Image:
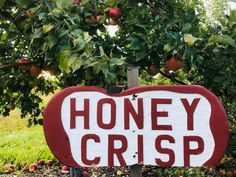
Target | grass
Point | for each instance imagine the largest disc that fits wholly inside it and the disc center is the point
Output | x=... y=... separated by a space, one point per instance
x=21 y=145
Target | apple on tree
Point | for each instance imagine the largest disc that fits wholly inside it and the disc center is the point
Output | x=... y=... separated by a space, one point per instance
x=35 y=70
x=114 y=12
x=152 y=70
x=173 y=64
x=77 y=2
x=25 y=67
x=91 y=20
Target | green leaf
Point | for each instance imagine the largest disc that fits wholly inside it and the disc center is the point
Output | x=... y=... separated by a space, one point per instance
x=56 y=12
x=47 y=28
x=38 y=33
x=63 y=61
x=52 y=40
x=117 y=61
x=168 y=48
x=140 y=55
x=110 y=2
x=77 y=64
x=189 y=39
x=64 y=3
x=221 y=39
x=135 y=43
x=24 y=3
x=42 y=15
x=186 y=27
x=109 y=77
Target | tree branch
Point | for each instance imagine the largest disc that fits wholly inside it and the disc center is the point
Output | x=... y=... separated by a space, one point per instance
x=172 y=78
x=11 y=65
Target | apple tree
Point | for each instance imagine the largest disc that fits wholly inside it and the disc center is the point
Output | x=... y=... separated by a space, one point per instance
x=46 y=45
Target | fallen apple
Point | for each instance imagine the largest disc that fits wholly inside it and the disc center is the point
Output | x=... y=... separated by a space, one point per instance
x=65 y=168
x=49 y=162
x=144 y=169
x=40 y=162
x=33 y=167
x=86 y=174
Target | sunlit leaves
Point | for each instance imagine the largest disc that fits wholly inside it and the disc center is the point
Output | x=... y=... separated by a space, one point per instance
x=189 y=39
x=222 y=39
x=47 y=28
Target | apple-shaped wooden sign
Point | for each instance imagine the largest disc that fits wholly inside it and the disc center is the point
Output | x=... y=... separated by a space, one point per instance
x=151 y=125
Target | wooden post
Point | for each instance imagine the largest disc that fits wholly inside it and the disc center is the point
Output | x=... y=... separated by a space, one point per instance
x=76 y=172
x=133 y=77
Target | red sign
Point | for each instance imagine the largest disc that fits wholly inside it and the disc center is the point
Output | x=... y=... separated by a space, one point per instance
x=151 y=125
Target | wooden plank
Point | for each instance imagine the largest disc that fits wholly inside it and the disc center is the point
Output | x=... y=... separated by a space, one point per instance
x=76 y=172
x=133 y=81
x=133 y=76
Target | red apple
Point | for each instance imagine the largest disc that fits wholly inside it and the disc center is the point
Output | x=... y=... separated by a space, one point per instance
x=144 y=169
x=174 y=64
x=114 y=12
x=86 y=174
x=65 y=168
x=40 y=162
x=77 y=2
x=49 y=162
x=35 y=70
x=152 y=70
x=25 y=67
x=91 y=20
x=166 y=69
x=33 y=167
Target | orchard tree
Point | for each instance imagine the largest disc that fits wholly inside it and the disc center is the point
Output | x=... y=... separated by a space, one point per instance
x=70 y=40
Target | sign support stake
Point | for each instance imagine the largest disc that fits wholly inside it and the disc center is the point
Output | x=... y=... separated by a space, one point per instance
x=132 y=78
x=76 y=172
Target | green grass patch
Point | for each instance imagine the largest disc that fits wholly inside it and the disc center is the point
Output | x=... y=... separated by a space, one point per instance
x=21 y=145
